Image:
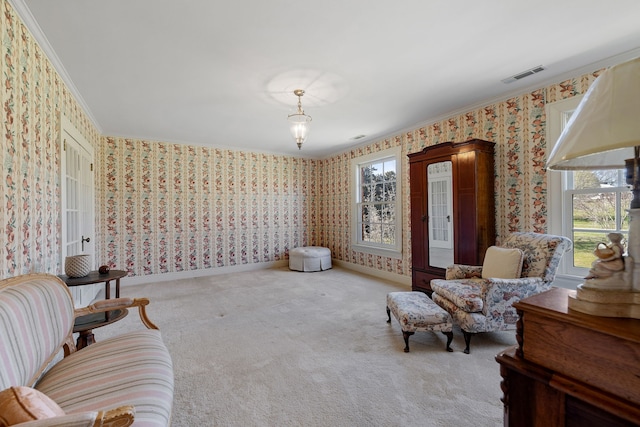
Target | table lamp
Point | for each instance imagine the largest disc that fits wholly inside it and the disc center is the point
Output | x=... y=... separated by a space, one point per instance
x=604 y=133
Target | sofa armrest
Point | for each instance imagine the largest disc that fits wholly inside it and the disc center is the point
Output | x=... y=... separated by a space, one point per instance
x=118 y=303
x=460 y=271
x=118 y=417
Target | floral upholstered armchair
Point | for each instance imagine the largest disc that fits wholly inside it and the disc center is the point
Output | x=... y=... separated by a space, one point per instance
x=480 y=298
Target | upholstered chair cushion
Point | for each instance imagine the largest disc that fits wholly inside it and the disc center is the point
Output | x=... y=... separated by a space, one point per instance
x=21 y=404
x=466 y=294
x=502 y=263
x=128 y=369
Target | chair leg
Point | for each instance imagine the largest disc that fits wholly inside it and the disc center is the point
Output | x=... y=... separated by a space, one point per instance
x=467 y=340
x=388 y=315
x=406 y=336
x=449 y=339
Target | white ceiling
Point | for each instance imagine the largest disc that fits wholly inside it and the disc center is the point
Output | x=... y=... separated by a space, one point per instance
x=222 y=73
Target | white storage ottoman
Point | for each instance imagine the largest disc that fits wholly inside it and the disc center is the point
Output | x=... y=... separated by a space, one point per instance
x=310 y=258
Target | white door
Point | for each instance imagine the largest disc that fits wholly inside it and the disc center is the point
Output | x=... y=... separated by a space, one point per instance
x=78 y=235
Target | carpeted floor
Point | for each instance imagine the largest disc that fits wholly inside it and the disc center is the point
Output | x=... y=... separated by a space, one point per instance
x=282 y=348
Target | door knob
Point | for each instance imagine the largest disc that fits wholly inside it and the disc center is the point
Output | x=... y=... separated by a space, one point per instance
x=88 y=239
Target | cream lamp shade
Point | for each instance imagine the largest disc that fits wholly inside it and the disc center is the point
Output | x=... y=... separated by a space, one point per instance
x=605 y=128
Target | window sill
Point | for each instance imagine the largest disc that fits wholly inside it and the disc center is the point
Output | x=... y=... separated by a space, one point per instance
x=390 y=253
x=567 y=281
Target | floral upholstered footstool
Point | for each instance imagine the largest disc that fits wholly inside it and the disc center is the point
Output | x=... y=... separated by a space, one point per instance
x=417 y=313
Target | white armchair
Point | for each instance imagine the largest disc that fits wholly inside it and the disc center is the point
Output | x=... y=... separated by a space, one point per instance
x=479 y=302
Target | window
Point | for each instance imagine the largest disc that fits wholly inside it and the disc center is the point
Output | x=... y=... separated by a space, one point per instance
x=377 y=203
x=597 y=202
x=584 y=206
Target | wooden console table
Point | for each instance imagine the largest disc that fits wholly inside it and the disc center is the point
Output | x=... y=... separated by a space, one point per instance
x=85 y=325
x=569 y=368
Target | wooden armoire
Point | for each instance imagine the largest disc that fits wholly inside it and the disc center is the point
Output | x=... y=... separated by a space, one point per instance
x=452 y=207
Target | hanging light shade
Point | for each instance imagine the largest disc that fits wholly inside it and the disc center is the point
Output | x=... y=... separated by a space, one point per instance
x=299 y=121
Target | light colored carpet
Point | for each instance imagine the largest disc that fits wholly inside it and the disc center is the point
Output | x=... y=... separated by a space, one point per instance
x=282 y=348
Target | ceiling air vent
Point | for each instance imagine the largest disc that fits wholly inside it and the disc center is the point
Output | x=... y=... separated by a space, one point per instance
x=523 y=74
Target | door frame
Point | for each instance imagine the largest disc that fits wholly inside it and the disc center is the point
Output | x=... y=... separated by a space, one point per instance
x=82 y=295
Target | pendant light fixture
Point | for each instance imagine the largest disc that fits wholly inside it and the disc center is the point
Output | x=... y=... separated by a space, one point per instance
x=299 y=121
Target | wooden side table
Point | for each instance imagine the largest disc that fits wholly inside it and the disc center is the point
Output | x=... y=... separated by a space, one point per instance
x=96 y=277
x=84 y=325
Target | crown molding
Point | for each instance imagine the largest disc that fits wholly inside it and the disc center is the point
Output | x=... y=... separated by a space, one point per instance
x=32 y=25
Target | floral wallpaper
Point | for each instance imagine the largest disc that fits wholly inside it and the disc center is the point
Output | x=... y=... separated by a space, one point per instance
x=32 y=98
x=169 y=207
x=173 y=207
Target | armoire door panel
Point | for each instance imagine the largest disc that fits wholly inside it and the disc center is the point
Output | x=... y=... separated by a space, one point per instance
x=418 y=248
x=418 y=208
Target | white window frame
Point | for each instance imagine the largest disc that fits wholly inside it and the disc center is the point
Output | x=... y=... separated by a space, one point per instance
x=357 y=244
x=557 y=116
x=559 y=195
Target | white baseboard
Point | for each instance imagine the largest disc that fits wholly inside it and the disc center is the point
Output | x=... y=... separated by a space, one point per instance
x=398 y=278
x=163 y=277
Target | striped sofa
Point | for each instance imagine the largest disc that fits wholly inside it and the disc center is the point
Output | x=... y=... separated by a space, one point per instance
x=121 y=381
